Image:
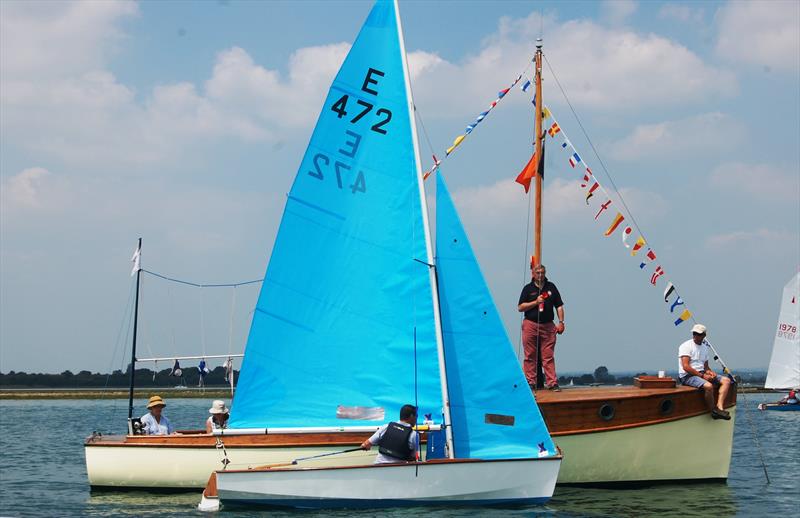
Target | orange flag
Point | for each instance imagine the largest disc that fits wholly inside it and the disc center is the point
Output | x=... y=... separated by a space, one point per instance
x=614 y=224
x=531 y=169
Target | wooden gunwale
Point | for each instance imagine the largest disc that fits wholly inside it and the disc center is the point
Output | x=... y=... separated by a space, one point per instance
x=235 y=441
x=576 y=411
x=432 y=462
x=570 y=412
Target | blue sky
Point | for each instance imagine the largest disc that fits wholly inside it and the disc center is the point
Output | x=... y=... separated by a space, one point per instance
x=184 y=123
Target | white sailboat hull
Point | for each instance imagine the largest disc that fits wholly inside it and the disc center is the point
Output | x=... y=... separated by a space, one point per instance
x=472 y=482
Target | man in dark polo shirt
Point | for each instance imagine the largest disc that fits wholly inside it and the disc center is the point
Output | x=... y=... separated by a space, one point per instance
x=538 y=301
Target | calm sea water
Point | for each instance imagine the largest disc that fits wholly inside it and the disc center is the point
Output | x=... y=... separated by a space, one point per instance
x=43 y=471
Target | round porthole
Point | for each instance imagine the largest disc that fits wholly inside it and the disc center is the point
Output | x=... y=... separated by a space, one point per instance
x=666 y=406
x=606 y=412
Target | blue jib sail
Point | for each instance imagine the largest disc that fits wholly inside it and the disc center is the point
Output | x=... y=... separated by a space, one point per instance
x=343 y=331
x=493 y=412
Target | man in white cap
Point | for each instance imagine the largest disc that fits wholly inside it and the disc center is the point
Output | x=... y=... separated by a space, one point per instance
x=218 y=420
x=693 y=370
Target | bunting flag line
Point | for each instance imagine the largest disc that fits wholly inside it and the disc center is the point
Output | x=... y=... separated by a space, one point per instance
x=481 y=116
x=668 y=291
x=591 y=184
x=603 y=207
x=526 y=85
x=686 y=315
x=625 y=234
x=614 y=224
x=658 y=273
x=650 y=255
x=640 y=242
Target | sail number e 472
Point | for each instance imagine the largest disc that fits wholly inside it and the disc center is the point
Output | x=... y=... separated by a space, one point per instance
x=382 y=114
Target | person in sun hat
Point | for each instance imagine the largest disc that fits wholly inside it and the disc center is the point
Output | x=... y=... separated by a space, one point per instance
x=693 y=371
x=218 y=420
x=154 y=422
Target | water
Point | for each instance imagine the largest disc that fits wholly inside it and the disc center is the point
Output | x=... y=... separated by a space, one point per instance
x=43 y=471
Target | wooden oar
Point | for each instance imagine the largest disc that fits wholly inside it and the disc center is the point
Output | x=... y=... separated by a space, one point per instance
x=295 y=461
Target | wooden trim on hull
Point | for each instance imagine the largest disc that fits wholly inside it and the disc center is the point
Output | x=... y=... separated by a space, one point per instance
x=602 y=409
x=196 y=439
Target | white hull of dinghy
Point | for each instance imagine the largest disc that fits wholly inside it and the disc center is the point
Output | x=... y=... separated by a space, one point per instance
x=440 y=482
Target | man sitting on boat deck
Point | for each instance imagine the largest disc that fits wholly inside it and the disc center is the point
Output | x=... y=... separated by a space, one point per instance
x=693 y=371
x=538 y=300
x=153 y=423
x=397 y=441
x=218 y=420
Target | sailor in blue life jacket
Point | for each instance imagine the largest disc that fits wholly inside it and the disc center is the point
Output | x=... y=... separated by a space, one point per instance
x=397 y=441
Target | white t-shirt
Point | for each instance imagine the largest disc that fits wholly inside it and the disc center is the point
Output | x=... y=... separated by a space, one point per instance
x=698 y=356
x=214 y=425
x=378 y=435
x=151 y=427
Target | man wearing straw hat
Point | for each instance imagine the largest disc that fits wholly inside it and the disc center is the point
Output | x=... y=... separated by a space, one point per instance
x=218 y=420
x=154 y=423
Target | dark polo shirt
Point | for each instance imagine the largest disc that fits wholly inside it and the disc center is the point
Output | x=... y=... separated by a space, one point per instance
x=530 y=292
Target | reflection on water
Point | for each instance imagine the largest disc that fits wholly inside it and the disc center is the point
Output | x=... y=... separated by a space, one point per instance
x=43 y=471
x=662 y=500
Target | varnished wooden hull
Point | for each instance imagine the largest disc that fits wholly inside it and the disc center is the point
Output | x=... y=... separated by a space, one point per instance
x=637 y=444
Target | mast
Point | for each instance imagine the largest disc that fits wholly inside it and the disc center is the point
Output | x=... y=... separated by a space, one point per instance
x=135 y=325
x=537 y=227
x=428 y=247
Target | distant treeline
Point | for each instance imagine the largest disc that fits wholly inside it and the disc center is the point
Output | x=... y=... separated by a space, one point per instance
x=118 y=378
x=191 y=376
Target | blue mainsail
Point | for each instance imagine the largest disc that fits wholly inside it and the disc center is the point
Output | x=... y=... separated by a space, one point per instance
x=493 y=412
x=343 y=331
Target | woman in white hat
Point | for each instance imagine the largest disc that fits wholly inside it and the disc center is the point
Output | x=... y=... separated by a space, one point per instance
x=218 y=419
x=154 y=423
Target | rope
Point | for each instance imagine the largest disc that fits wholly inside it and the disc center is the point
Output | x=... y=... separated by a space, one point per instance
x=199 y=285
x=754 y=434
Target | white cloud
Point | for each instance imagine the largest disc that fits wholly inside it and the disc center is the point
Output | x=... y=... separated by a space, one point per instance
x=765 y=34
x=699 y=134
x=600 y=67
x=44 y=39
x=681 y=12
x=618 y=11
x=488 y=207
x=746 y=239
x=24 y=189
x=767 y=182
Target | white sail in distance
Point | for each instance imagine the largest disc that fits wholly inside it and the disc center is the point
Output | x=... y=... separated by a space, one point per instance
x=784 y=366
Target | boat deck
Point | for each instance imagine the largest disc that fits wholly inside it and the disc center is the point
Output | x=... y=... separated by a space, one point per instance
x=569 y=394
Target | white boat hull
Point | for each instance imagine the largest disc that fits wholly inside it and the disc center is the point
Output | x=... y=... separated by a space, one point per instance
x=472 y=482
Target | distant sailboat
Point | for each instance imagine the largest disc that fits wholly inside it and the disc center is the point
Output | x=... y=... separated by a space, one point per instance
x=784 y=366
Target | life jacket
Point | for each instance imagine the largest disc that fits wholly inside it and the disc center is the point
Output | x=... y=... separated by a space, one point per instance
x=394 y=442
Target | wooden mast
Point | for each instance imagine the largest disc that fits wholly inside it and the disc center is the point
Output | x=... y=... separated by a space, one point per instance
x=537 y=227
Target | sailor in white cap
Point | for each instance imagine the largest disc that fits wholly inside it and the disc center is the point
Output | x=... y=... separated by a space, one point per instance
x=218 y=419
x=693 y=370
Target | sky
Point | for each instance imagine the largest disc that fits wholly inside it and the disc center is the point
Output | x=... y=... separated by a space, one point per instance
x=184 y=123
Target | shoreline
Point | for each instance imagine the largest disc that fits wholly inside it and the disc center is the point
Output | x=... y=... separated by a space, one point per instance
x=173 y=393
x=113 y=393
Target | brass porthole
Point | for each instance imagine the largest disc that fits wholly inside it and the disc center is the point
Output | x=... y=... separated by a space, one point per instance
x=606 y=412
x=666 y=406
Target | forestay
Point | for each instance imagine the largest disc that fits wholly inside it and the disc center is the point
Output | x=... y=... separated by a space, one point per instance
x=784 y=366
x=332 y=341
x=493 y=411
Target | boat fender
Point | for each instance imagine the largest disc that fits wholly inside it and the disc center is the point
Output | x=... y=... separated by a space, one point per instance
x=394 y=442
